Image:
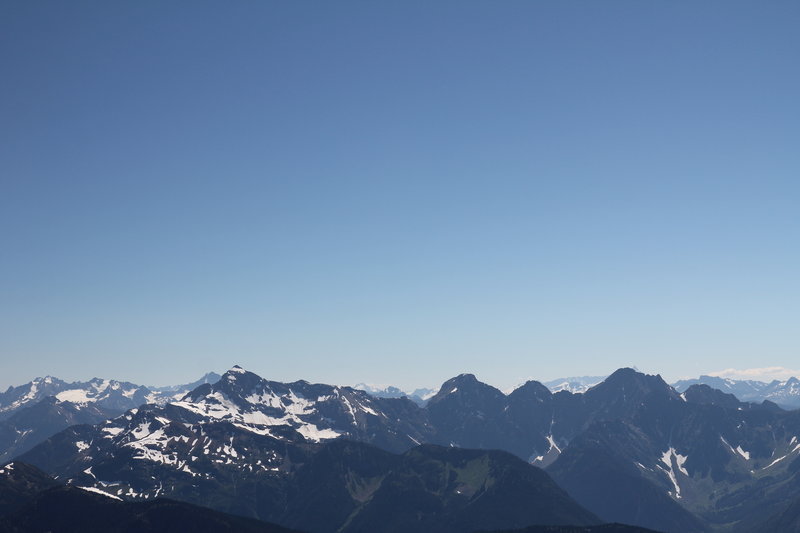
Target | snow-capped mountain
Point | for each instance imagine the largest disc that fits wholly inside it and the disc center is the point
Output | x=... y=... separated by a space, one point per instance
x=104 y=393
x=784 y=393
x=18 y=397
x=575 y=385
x=720 y=460
x=37 y=410
x=419 y=396
x=314 y=411
x=242 y=425
x=245 y=407
x=690 y=460
x=177 y=391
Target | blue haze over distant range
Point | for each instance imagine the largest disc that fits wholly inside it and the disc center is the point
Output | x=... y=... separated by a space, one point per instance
x=398 y=192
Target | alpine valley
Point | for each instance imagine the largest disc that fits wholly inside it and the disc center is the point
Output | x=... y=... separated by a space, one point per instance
x=319 y=458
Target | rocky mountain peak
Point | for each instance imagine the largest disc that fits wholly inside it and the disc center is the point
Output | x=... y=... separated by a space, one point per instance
x=703 y=394
x=531 y=390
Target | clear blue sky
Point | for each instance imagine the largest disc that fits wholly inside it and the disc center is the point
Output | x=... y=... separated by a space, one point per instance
x=398 y=192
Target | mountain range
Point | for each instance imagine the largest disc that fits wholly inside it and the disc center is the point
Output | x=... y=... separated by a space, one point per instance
x=784 y=393
x=418 y=396
x=33 y=412
x=575 y=384
x=631 y=449
x=104 y=393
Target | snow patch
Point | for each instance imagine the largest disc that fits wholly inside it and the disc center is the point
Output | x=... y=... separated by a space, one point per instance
x=736 y=451
x=553 y=444
x=315 y=434
x=743 y=453
x=779 y=459
x=667 y=459
x=74 y=396
x=292 y=406
x=553 y=451
x=112 y=432
x=101 y=492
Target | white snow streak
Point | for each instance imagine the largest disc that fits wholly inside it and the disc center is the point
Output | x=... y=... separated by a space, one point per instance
x=101 y=492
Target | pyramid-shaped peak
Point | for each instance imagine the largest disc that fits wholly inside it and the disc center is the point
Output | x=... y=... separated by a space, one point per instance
x=532 y=387
x=631 y=374
x=466 y=385
x=239 y=376
x=461 y=380
x=631 y=379
x=235 y=384
x=236 y=371
x=627 y=371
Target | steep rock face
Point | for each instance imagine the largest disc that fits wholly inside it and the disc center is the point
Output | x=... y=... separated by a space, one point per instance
x=531 y=410
x=617 y=485
x=624 y=391
x=534 y=423
x=469 y=413
x=531 y=422
x=719 y=463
